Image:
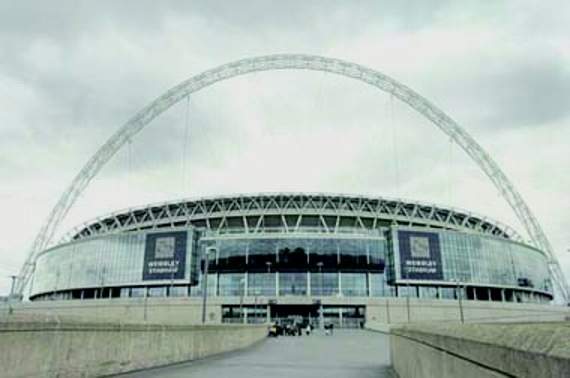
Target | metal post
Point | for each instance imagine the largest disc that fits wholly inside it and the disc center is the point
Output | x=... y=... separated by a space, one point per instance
x=12 y=287
x=205 y=281
x=255 y=308
x=171 y=283
x=387 y=310
x=407 y=294
x=268 y=315
x=321 y=311
x=145 y=317
x=102 y=281
x=460 y=302
x=408 y=299
x=241 y=294
x=11 y=297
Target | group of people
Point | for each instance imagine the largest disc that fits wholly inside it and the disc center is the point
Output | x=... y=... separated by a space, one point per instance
x=296 y=329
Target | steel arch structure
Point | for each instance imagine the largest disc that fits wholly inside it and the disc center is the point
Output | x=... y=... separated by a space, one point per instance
x=293 y=62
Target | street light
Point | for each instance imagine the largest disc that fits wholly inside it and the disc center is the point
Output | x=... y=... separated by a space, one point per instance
x=460 y=298
x=268 y=317
x=321 y=314
x=407 y=293
x=241 y=294
x=209 y=251
x=11 y=297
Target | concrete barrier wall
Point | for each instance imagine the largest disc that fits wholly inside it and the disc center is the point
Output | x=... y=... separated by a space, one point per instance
x=378 y=310
x=395 y=311
x=172 y=311
x=51 y=349
x=481 y=350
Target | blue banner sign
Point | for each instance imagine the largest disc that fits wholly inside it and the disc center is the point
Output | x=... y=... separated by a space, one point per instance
x=165 y=256
x=420 y=255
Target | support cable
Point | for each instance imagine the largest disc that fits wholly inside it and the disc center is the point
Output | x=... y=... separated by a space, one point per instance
x=185 y=146
x=395 y=146
x=130 y=168
x=450 y=172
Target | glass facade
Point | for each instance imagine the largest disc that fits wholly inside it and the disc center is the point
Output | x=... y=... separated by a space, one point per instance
x=475 y=259
x=114 y=260
x=298 y=264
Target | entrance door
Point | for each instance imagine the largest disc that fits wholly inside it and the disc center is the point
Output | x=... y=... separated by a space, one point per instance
x=295 y=313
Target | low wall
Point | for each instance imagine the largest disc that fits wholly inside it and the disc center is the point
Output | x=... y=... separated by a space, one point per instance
x=179 y=311
x=481 y=350
x=51 y=349
x=396 y=311
x=169 y=311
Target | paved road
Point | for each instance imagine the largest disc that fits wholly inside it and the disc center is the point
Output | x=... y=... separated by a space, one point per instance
x=346 y=354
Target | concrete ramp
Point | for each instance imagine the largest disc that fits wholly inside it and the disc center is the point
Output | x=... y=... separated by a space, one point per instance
x=347 y=354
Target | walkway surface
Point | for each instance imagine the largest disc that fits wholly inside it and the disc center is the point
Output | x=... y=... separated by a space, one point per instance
x=346 y=354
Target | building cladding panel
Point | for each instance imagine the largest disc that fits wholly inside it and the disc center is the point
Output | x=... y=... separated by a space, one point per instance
x=293 y=245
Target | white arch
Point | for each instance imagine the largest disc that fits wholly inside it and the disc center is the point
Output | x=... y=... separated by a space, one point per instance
x=302 y=62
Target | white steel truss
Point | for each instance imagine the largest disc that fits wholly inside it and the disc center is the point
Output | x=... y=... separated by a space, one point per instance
x=290 y=212
x=296 y=62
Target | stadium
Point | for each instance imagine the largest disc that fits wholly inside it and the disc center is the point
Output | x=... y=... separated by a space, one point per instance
x=332 y=258
x=287 y=246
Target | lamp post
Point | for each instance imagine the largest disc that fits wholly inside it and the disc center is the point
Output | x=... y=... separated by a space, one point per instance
x=12 y=287
x=11 y=297
x=268 y=317
x=460 y=299
x=209 y=251
x=407 y=294
x=241 y=294
x=321 y=314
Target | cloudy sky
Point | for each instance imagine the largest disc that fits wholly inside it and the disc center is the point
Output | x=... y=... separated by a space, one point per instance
x=72 y=72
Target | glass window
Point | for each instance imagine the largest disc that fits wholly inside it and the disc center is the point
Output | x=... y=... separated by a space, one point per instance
x=212 y=285
x=261 y=284
x=178 y=291
x=157 y=291
x=354 y=284
x=323 y=254
x=292 y=283
x=428 y=292
x=232 y=284
x=378 y=285
x=353 y=254
x=324 y=283
x=447 y=292
x=292 y=255
x=377 y=255
x=407 y=291
x=138 y=292
x=260 y=252
x=231 y=255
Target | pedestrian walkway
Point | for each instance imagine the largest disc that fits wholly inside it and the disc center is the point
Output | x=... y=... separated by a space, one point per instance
x=348 y=354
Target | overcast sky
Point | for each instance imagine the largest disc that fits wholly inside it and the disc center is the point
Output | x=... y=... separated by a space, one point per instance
x=72 y=72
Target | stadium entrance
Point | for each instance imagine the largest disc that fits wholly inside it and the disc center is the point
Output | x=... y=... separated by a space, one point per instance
x=340 y=316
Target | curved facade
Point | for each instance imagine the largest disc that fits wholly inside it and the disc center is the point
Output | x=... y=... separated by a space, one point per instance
x=292 y=246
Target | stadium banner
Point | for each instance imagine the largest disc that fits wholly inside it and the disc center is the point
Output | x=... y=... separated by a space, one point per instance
x=419 y=255
x=165 y=256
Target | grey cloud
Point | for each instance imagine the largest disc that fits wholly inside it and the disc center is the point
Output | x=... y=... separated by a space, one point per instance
x=526 y=93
